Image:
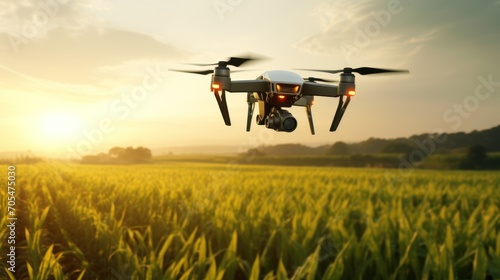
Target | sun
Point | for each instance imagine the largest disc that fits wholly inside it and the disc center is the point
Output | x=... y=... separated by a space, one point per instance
x=60 y=127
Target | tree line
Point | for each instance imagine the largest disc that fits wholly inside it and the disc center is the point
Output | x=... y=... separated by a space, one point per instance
x=462 y=150
x=119 y=155
x=447 y=143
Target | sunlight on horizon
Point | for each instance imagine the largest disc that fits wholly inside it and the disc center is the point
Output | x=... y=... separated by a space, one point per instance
x=59 y=128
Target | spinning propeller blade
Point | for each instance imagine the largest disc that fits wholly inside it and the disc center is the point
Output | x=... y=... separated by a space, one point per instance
x=360 y=70
x=314 y=79
x=232 y=61
x=202 y=72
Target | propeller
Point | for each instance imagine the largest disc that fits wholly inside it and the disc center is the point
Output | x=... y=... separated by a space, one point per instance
x=232 y=61
x=314 y=79
x=360 y=70
x=347 y=85
x=203 y=72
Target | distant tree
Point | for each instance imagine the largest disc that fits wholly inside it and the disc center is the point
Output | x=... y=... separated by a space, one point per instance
x=370 y=146
x=116 y=152
x=143 y=154
x=139 y=154
x=398 y=148
x=121 y=155
x=339 y=148
x=254 y=152
x=128 y=154
x=475 y=158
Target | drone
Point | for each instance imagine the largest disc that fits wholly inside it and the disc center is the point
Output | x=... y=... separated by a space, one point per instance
x=277 y=89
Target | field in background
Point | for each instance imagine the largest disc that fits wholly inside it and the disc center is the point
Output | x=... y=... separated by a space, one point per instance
x=231 y=221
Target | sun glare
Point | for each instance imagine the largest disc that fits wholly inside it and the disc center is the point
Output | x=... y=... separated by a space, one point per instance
x=60 y=127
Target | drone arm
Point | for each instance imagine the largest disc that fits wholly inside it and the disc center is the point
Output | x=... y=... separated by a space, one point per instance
x=249 y=86
x=315 y=89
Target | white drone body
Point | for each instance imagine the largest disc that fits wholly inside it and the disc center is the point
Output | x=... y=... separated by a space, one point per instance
x=283 y=86
x=284 y=82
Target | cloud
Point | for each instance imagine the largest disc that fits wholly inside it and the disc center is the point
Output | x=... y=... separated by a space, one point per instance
x=78 y=93
x=362 y=30
x=58 y=46
x=36 y=18
x=88 y=58
x=423 y=37
x=366 y=30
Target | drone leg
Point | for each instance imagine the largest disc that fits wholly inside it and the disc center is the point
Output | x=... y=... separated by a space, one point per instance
x=310 y=118
x=221 y=100
x=251 y=107
x=340 y=112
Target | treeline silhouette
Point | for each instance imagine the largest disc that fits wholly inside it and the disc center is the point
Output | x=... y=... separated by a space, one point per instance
x=119 y=155
x=447 y=143
x=456 y=150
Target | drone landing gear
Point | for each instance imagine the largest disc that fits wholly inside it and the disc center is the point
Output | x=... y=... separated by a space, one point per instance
x=251 y=106
x=221 y=101
x=340 y=112
x=310 y=118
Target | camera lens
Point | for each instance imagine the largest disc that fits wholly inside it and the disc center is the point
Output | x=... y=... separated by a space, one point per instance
x=289 y=124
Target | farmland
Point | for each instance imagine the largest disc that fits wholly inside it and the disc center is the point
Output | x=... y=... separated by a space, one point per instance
x=182 y=220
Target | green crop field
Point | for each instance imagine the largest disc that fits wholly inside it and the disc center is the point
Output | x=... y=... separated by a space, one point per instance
x=218 y=221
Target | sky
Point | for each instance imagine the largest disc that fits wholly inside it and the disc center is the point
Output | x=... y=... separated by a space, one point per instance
x=81 y=76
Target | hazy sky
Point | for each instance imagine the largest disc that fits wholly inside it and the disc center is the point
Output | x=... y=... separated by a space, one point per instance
x=83 y=76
